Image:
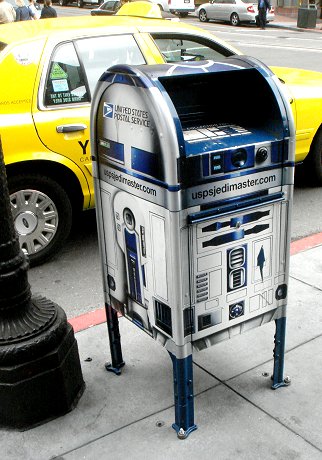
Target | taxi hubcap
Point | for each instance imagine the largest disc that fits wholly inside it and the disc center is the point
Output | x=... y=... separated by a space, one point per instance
x=35 y=218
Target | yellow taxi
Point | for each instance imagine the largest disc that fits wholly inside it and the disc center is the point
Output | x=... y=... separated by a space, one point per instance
x=49 y=70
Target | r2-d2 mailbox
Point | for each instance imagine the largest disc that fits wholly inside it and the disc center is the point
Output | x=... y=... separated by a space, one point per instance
x=194 y=181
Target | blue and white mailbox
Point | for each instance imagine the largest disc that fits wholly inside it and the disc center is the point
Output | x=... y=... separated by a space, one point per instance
x=193 y=193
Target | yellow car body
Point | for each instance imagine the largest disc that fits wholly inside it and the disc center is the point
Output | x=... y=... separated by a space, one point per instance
x=46 y=144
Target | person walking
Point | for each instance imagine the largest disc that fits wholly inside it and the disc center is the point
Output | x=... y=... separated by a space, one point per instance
x=48 y=11
x=263 y=6
x=22 y=12
x=7 y=12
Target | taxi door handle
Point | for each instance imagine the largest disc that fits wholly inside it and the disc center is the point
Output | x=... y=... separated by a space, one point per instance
x=70 y=128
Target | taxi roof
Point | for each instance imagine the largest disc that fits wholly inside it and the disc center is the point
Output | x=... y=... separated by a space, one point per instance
x=70 y=27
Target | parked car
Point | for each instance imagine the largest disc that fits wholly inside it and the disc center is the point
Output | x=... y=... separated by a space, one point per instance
x=233 y=11
x=181 y=7
x=80 y=3
x=45 y=121
x=107 y=8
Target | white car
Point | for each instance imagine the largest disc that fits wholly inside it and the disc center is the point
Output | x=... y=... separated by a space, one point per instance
x=233 y=11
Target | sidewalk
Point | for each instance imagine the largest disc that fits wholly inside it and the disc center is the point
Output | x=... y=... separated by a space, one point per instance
x=238 y=415
x=286 y=22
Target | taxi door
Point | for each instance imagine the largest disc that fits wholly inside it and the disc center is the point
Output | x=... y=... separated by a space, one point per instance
x=62 y=111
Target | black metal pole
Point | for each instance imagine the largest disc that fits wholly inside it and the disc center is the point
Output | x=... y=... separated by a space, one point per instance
x=115 y=341
x=40 y=373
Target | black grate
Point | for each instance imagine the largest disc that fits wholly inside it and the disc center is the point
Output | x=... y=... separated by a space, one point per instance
x=163 y=317
x=188 y=321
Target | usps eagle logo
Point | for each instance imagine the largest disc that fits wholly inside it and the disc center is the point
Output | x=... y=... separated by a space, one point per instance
x=108 y=110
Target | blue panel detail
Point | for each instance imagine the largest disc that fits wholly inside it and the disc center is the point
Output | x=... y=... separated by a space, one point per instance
x=227 y=142
x=216 y=163
x=248 y=162
x=145 y=162
x=133 y=266
x=126 y=75
x=205 y=165
x=279 y=151
x=113 y=150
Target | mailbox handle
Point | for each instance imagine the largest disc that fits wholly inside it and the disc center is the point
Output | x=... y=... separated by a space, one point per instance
x=224 y=210
x=70 y=128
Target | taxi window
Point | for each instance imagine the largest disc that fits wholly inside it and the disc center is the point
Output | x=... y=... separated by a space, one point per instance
x=100 y=53
x=65 y=83
x=179 y=48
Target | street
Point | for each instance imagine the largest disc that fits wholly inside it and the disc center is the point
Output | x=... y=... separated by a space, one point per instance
x=278 y=47
x=76 y=270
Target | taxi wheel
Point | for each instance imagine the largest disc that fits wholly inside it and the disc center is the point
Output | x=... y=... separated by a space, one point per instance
x=234 y=19
x=203 y=16
x=313 y=163
x=42 y=215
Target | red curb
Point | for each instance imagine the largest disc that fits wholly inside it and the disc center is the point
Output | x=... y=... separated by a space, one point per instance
x=306 y=243
x=93 y=318
x=87 y=320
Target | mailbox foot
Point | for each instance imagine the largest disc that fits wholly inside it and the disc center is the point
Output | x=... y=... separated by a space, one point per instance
x=115 y=370
x=279 y=350
x=183 y=396
x=115 y=341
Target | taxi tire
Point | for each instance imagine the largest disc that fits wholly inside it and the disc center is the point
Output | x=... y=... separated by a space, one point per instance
x=60 y=198
x=312 y=168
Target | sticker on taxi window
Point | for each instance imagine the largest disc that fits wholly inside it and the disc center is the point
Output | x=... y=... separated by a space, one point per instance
x=60 y=85
x=57 y=72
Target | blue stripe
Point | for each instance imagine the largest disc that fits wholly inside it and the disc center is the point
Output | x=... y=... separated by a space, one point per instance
x=177 y=188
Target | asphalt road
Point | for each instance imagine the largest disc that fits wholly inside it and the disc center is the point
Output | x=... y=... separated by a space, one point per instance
x=73 y=279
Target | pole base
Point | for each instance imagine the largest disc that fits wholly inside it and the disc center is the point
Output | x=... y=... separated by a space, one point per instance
x=181 y=433
x=39 y=390
x=116 y=370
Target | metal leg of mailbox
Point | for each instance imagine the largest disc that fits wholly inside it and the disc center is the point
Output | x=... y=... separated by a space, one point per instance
x=183 y=396
x=279 y=350
x=115 y=341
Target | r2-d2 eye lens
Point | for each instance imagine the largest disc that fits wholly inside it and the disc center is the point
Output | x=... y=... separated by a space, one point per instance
x=129 y=219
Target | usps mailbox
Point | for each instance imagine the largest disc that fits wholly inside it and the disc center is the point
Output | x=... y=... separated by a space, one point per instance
x=193 y=193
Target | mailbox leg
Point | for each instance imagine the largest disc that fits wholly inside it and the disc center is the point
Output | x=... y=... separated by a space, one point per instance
x=115 y=341
x=279 y=350
x=183 y=396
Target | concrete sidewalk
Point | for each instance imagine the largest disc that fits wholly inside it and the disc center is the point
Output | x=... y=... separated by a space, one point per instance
x=287 y=22
x=237 y=413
